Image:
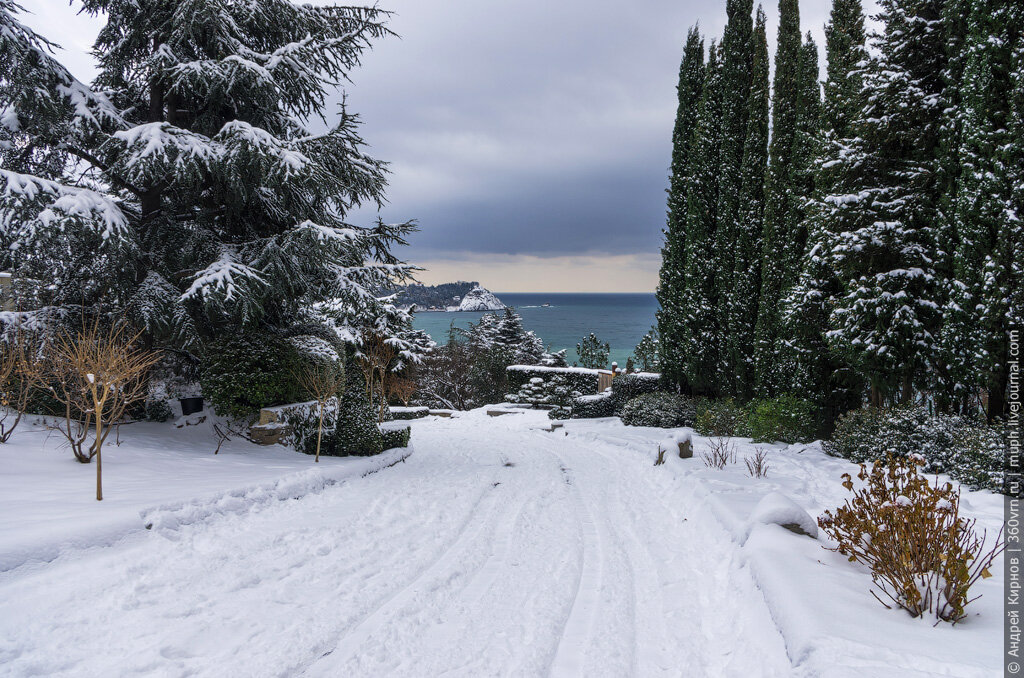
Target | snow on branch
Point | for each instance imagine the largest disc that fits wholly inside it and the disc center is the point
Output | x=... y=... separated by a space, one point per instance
x=225 y=277
x=55 y=201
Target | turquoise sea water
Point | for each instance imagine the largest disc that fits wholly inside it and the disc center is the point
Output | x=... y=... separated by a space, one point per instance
x=619 y=319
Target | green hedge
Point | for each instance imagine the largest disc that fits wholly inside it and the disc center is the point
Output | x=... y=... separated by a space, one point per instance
x=661 y=409
x=244 y=374
x=785 y=418
x=593 y=406
x=626 y=387
x=397 y=437
x=971 y=452
x=573 y=378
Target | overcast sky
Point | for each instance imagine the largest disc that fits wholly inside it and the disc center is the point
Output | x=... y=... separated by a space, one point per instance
x=529 y=138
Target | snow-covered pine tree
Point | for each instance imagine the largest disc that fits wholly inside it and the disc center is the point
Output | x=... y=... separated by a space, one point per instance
x=746 y=263
x=779 y=227
x=885 y=317
x=58 y=224
x=233 y=200
x=813 y=370
x=737 y=59
x=701 y=344
x=975 y=335
x=673 y=252
x=1013 y=155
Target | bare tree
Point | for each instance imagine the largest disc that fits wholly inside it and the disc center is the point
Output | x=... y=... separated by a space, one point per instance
x=323 y=381
x=21 y=372
x=375 y=358
x=99 y=372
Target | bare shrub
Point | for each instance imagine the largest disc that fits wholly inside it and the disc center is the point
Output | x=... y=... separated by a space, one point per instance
x=721 y=453
x=923 y=556
x=757 y=466
x=323 y=381
x=99 y=373
x=21 y=372
x=375 y=356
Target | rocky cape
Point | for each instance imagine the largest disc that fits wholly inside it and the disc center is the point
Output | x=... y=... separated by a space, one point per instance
x=450 y=297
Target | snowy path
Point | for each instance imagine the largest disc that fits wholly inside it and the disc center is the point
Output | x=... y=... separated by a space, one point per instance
x=494 y=550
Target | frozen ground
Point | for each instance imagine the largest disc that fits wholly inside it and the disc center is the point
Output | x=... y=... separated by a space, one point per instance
x=495 y=549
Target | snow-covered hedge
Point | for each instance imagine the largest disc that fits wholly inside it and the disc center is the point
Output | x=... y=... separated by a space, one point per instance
x=625 y=387
x=405 y=413
x=574 y=378
x=593 y=406
x=664 y=410
x=971 y=453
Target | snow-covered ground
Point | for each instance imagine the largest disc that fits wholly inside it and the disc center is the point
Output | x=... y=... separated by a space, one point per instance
x=497 y=548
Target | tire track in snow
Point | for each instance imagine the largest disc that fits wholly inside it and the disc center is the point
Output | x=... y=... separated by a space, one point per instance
x=579 y=624
x=349 y=643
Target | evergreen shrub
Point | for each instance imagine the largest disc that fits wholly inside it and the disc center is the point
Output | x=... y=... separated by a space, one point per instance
x=243 y=374
x=576 y=378
x=593 y=406
x=555 y=391
x=357 y=432
x=720 y=417
x=661 y=409
x=396 y=437
x=784 y=418
x=626 y=387
x=970 y=452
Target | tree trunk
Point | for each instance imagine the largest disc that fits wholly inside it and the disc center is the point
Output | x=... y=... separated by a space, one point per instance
x=99 y=461
x=319 y=433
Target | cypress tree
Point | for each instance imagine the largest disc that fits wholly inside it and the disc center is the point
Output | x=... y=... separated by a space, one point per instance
x=975 y=337
x=700 y=294
x=780 y=196
x=886 y=316
x=813 y=370
x=736 y=75
x=746 y=250
x=673 y=253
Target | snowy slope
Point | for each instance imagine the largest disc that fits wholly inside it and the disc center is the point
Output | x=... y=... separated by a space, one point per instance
x=497 y=548
x=48 y=503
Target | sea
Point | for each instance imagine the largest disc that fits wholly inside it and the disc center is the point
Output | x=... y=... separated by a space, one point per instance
x=563 y=319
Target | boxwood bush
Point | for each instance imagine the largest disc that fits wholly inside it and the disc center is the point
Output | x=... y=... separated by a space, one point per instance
x=785 y=418
x=626 y=387
x=573 y=378
x=243 y=374
x=970 y=452
x=593 y=406
x=396 y=437
x=661 y=409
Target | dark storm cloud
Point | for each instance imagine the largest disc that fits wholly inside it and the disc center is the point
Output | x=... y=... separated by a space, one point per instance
x=531 y=127
x=526 y=127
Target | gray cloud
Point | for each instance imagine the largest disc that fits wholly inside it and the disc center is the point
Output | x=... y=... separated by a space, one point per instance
x=527 y=127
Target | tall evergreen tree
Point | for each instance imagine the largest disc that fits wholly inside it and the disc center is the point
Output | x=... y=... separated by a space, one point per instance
x=700 y=293
x=886 y=316
x=746 y=245
x=229 y=210
x=736 y=77
x=673 y=252
x=975 y=337
x=780 y=230
x=813 y=370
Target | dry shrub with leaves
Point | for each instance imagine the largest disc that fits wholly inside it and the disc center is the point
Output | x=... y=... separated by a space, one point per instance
x=923 y=556
x=757 y=466
x=721 y=453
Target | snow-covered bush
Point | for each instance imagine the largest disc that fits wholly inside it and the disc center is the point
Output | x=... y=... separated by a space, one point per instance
x=720 y=417
x=357 y=432
x=593 y=353
x=575 y=378
x=971 y=453
x=554 y=390
x=396 y=437
x=784 y=418
x=243 y=374
x=593 y=406
x=923 y=556
x=626 y=387
x=664 y=410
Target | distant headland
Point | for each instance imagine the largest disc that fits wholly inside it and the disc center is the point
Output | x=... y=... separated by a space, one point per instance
x=451 y=297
